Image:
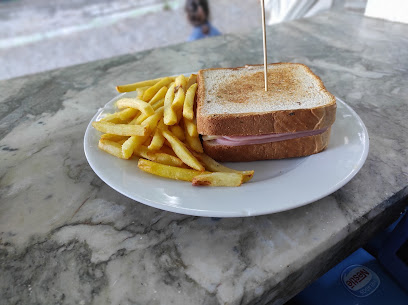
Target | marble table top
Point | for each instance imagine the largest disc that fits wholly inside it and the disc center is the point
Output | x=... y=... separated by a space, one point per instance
x=68 y=238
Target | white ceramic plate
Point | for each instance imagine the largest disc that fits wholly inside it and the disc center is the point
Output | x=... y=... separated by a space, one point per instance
x=277 y=185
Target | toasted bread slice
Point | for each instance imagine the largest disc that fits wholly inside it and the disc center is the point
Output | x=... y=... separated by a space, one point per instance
x=299 y=147
x=233 y=102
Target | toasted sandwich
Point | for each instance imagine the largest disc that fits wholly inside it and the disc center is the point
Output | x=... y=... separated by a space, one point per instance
x=240 y=121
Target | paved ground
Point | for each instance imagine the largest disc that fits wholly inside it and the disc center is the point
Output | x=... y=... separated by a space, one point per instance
x=39 y=35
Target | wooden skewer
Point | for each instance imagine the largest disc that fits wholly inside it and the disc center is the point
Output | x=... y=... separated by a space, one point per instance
x=264 y=45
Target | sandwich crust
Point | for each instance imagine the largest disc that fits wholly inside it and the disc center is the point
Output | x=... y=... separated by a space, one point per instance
x=299 y=147
x=230 y=123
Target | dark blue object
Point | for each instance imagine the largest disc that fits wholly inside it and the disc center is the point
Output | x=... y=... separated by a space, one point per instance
x=394 y=253
x=376 y=243
x=357 y=280
x=198 y=33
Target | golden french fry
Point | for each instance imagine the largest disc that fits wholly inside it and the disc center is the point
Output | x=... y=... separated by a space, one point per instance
x=194 y=143
x=148 y=141
x=138 y=120
x=167 y=150
x=247 y=175
x=111 y=147
x=191 y=128
x=127 y=114
x=159 y=95
x=191 y=80
x=157 y=140
x=113 y=137
x=153 y=120
x=188 y=107
x=149 y=93
x=178 y=103
x=192 y=138
x=134 y=86
x=167 y=171
x=135 y=103
x=129 y=145
x=211 y=165
x=170 y=116
x=181 y=82
x=218 y=179
x=161 y=125
x=159 y=157
x=117 y=117
x=121 y=129
x=158 y=104
x=134 y=142
x=140 y=91
x=181 y=151
x=166 y=159
x=178 y=132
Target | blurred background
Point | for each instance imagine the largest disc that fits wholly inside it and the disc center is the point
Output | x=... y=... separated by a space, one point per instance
x=40 y=35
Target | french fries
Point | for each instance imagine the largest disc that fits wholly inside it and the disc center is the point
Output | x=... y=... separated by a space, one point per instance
x=135 y=103
x=120 y=129
x=166 y=149
x=213 y=166
x=192 y=79
x=159 y=95
x=158 y=104
x=188 y=108
x=111 y=147
x=178 y=132
x=129 y=146
x=181 y=82
x=182 y=151
x=113 y=137
x=192 y=136
x=139 y=119
x=170 y=116
x=134 y=86
x=178 y=103
x=120 y=116
x=159 y=157
x=218 y=179
x=191 y=128
x=150 y=93
x=167 y=171
x=158 y=126
x=194 y=143
x=140 y=91
x=134 y=142
x=157 y=140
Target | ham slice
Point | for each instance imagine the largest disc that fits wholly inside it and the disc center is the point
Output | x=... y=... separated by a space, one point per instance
x=268 y=138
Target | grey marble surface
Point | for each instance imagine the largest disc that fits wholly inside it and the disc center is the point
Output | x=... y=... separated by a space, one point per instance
x=68 y=238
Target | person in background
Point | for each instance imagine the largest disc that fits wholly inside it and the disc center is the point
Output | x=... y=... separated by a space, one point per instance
x=198 y=14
